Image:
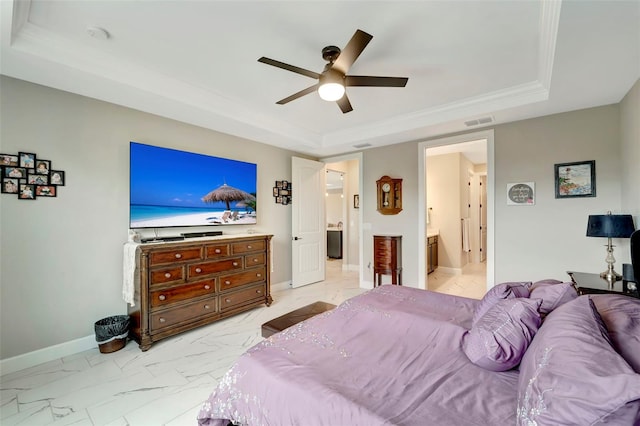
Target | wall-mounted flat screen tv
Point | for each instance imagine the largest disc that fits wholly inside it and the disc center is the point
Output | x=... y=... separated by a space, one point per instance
x=171 y=188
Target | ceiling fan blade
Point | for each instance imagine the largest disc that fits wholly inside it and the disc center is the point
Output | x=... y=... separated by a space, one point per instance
x=344 y=104
x=351 y=51
x=288 y=67
x=365 y=80
x=297 y=95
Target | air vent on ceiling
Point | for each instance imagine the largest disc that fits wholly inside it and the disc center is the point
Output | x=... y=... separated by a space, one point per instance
x=478 y=121
x=362 y=145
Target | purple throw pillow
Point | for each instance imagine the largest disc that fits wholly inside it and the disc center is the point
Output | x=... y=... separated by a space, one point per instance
x=499 y=292
x=571 y=375
x=499 y=339
x=621 y=315
x=552 y=293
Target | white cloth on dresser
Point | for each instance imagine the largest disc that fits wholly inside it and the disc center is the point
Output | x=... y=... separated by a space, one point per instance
x=129 y=270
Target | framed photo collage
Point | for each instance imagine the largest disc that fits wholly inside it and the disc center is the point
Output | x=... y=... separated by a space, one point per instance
x=28 y=176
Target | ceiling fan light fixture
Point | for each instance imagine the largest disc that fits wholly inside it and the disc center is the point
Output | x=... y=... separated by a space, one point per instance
x=331 y=91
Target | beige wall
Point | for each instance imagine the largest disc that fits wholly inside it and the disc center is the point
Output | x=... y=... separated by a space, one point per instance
x=630 y=152
x=61 y=260
x=61 y=263
x=531 y=242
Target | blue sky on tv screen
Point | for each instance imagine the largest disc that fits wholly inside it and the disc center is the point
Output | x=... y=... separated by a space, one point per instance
x=168 y=177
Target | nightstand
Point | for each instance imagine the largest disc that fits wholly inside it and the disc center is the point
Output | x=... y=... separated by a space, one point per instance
x=587 y=283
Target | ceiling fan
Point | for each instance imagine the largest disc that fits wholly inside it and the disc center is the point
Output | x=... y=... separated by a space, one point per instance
x=333 y=79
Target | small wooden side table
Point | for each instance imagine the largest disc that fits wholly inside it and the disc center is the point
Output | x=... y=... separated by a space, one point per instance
x=387 y=258
x=587 y=283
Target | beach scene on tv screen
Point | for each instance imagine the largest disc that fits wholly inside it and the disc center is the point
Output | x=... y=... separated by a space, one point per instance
x=177 y=188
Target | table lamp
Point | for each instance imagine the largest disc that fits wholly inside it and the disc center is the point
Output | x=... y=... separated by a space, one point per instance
x=610 y=226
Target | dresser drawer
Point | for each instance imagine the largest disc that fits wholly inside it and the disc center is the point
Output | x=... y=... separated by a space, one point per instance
x=218 y=250
x=173 y=316
x=248 y=246
x=167 y=275
x=202 y=269
x=237 y=298
x=183 y=292
x=174 y=255
x=254 y=275
x=255 y=259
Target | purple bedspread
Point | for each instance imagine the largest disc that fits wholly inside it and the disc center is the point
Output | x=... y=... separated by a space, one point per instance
x=391 y=356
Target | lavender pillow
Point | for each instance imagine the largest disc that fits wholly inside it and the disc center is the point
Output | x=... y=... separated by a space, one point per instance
x=571 y=375
x=621 y=315
x=553 y=294
x=498 y=292
x=499 y=339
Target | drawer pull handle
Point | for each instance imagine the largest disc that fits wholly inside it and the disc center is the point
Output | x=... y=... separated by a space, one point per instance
x=162 y=297
x=259 y=291
x=207 y=287
x=178 y=256
x=162 y=320
x=235 y=263
x=227 y=300
x=167 y=275
x=198 y=270
x=258 y=275
x=218 y=251
x=249 y=247
x=255 y=260
x=227 y=282
x=207 y=307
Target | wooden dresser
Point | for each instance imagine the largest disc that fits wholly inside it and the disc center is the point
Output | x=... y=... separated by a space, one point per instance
x=387 y=258
x=190 y=283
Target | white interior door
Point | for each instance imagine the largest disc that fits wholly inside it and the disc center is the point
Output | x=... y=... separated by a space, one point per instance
x=308 y=228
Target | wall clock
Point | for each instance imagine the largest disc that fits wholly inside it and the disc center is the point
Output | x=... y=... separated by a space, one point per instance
x=389 y=195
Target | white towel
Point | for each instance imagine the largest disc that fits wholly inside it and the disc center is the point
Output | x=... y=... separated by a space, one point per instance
x=466 y=246
x=130 y=271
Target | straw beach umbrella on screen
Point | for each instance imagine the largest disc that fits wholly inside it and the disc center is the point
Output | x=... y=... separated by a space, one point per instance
x=226 y=194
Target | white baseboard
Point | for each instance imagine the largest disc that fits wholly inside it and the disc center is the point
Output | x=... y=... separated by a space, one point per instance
x=284 y=285
x=31 y=359
x=453 y=271
x=348 y=267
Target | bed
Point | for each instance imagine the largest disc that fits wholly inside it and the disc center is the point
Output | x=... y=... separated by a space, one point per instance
x=527 y=353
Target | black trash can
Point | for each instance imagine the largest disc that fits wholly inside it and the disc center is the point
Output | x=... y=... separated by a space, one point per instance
x=112 y=332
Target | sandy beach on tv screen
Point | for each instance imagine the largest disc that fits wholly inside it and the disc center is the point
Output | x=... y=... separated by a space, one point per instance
x=211 y=218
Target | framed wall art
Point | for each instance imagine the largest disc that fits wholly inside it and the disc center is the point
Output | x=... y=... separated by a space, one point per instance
x=577 y=179
x=282 y=192
x=521 y=194
x=28 y=176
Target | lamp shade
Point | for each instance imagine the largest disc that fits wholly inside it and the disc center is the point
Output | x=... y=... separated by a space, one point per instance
x=610 y=225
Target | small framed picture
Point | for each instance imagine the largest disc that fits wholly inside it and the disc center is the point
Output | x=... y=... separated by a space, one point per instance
x=286 y=200
x=27 y=192
x=15 y=172
x=27 y=160
x=356 y=201
x=56 y=177
x=43 y=166
x=285 y=184
x=10 y=185
x=45 y=190
x=521 y=194
x=276 y=191
x=284 y=192
x=36 y=179
x=278 y=200
x=576 y=179
x=9 y=160
x=278 y=184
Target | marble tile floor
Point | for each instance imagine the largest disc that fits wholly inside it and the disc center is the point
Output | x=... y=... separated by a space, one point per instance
x=471 y=283
x=167 y=384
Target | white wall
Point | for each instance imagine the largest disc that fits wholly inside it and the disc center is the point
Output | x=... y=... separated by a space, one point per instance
x=61 y=264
